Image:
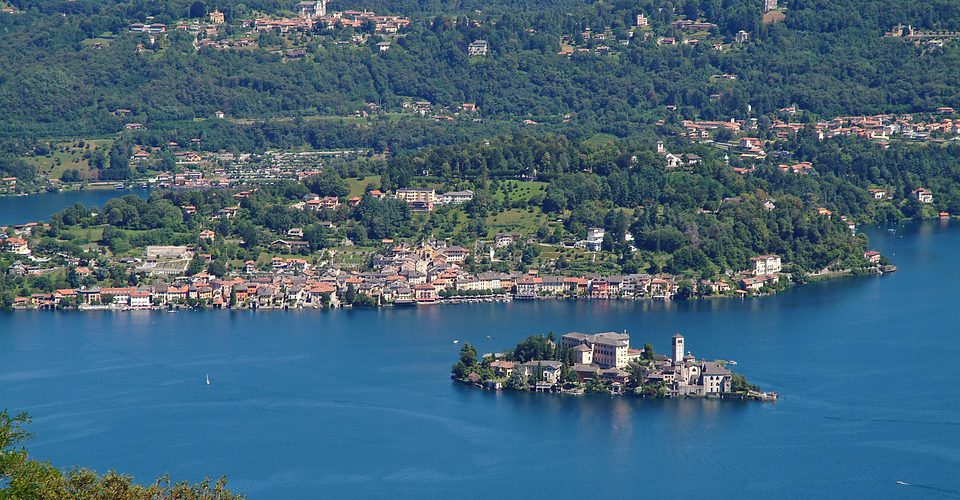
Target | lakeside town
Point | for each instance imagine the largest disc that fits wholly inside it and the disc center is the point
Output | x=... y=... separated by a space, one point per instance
x=603 y=363
x=432 y=272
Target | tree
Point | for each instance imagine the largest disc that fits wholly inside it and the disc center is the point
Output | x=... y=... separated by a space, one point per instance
x=23 y=477
x=516 y=381
x=198 y=9
x=648 y=351
x=534 y=347
x=468 y=354
x=327 y=183
x=196 y=265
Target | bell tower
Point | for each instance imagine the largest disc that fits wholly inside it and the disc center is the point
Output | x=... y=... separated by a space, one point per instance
x=678 y=349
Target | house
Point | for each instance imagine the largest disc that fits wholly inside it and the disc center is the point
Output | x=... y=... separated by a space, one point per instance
x=289 y=245
x=527 y=287
x=765 y=264
x=502 y=240
x=478 y=48
x=456 y=197
x=872 y=256
x=923 y=195
x=714 y=378
x=206 y=235
x=216 y=17
x=383 y=46
x=502 y=368
x=411 y=195
x=608 y=349
x=742 y=37
x=16 y=245
x=425 y=293
x=312 y=9
x=455 y=254
x=641 y=21
x=756 y=283
x=878 y=193
x=543 y=370
x=329 y=202
x=140 y=299
x=595 y=238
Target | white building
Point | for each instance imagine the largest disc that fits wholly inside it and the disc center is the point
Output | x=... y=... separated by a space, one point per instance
x=456 y=197
x=312 y=9
x=765 y=264
x=478 y=48
x=595 y=238
x=608 y=349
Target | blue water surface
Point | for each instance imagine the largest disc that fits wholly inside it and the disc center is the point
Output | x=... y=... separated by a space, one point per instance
x=358 y=404
x=39 y=207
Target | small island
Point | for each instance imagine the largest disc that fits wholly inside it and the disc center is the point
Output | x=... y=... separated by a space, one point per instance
x=603 y=363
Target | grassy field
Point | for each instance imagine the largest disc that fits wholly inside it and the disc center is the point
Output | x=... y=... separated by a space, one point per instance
x=524 y=221
x=68 y=155
x=351 y=257
x=357 y=186
x=520 y=190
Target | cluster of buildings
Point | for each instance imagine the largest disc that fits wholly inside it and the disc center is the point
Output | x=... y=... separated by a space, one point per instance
x=425 y=199
x=881 y=128
x=607 y=355
x=923 y=37
x=428 y=273
x=314 y=14
x=205 y=170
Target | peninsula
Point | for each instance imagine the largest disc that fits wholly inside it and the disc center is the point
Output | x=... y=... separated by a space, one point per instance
x=603 y=363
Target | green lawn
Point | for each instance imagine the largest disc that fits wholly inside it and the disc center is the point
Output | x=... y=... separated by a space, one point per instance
x=520 y=190
x=517 y=220
x=357 y=186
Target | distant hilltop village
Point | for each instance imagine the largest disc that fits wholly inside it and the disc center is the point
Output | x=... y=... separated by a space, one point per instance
x=603 y=363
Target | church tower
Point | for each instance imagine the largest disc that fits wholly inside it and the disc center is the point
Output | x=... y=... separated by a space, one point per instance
x=678 y=349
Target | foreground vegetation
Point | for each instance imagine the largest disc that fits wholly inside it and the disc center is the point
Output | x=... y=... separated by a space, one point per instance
x=24 y=478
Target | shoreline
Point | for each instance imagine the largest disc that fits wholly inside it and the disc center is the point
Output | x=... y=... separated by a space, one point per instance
x=50 y=302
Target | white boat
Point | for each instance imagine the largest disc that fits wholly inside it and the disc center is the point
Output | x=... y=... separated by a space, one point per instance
x=456 y=341
x=208 y=379
x=903 y=483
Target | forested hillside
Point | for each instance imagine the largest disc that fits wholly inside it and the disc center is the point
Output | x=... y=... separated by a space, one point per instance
x=696 y=133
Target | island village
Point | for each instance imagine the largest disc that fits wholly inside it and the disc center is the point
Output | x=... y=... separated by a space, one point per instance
x=603 y=363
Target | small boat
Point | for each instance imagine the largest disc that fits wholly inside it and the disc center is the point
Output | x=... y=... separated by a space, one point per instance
x=903 y=483
x=732 y=362
x=208 y=379
x=456 y=341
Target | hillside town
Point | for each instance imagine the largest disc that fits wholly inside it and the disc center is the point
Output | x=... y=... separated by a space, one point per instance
x=311 y=18
x=604 y=363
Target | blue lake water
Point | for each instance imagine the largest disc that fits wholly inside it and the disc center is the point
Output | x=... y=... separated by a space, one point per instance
x=39 y=207
x=350 y=404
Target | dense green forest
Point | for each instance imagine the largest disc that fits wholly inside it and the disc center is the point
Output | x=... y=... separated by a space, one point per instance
x=586 y=124
x=828 y=57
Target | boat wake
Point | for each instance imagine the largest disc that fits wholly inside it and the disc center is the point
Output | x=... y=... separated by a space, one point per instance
x=930 y=488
